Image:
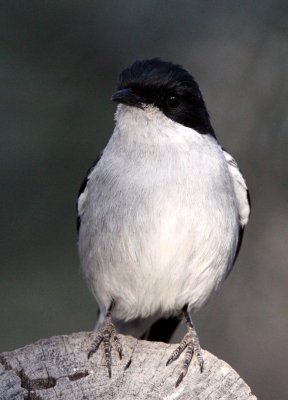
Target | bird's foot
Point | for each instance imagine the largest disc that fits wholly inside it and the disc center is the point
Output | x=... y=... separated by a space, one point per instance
x=106 y=334
x=190 y=342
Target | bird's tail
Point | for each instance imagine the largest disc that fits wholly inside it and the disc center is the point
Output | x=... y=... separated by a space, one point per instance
x=153 y=329
x=162 y=330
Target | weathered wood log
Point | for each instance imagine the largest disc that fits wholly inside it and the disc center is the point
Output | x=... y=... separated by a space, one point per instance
x=58 y=368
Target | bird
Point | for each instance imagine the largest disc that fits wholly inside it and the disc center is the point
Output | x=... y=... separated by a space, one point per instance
x=161 y=212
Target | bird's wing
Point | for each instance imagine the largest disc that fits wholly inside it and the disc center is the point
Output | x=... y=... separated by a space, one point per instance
x=242 y=196
x=82 y=194
x=162 y=330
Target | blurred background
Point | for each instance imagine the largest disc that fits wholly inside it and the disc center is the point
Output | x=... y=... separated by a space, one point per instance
x=59 y=65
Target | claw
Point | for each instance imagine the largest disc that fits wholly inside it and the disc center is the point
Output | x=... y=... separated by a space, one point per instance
x=117 y=344
x=95 y=344
x=169 y=361
x=179 y=350
x=90 y=354
x=201 y=365
x=105 y=335
x=119 y=349
x=180 y=379
x=190 y=342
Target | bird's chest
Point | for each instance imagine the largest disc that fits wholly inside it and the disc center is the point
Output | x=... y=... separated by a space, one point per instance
x=159 y=226
x=152 y=204
x=161 y=177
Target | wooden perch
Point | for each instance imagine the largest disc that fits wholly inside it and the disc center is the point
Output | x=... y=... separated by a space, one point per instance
x=58 y=368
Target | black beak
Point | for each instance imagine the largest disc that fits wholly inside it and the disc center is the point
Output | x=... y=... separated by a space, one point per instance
x=126 y=96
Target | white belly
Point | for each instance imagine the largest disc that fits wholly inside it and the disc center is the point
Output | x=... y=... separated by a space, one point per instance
x=159 y=235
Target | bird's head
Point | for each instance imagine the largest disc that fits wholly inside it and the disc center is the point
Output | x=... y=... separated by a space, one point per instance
x=167 y=87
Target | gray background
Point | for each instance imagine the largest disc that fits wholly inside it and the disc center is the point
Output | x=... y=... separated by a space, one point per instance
x=59 y=65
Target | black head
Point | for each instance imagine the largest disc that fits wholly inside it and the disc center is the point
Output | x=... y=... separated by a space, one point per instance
x=167 y=86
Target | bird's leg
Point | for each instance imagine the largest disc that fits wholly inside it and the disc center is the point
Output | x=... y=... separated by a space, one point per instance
x=190 y=342
x=105 y=334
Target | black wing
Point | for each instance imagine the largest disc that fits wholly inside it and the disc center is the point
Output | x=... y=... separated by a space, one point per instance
x=241 y=230
x=243 y=199
x=82 y=189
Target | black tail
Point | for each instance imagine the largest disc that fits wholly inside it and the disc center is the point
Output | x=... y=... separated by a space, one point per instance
x=162 y=330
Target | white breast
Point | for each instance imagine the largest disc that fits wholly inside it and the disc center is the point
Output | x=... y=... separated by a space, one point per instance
x=160 y=222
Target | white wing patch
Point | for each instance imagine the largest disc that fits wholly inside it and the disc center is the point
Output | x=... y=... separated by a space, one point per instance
x=240 y=188
x=81 y=202
x=83 y=191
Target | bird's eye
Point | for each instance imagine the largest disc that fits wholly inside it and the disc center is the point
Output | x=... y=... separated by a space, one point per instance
x=173 y=101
